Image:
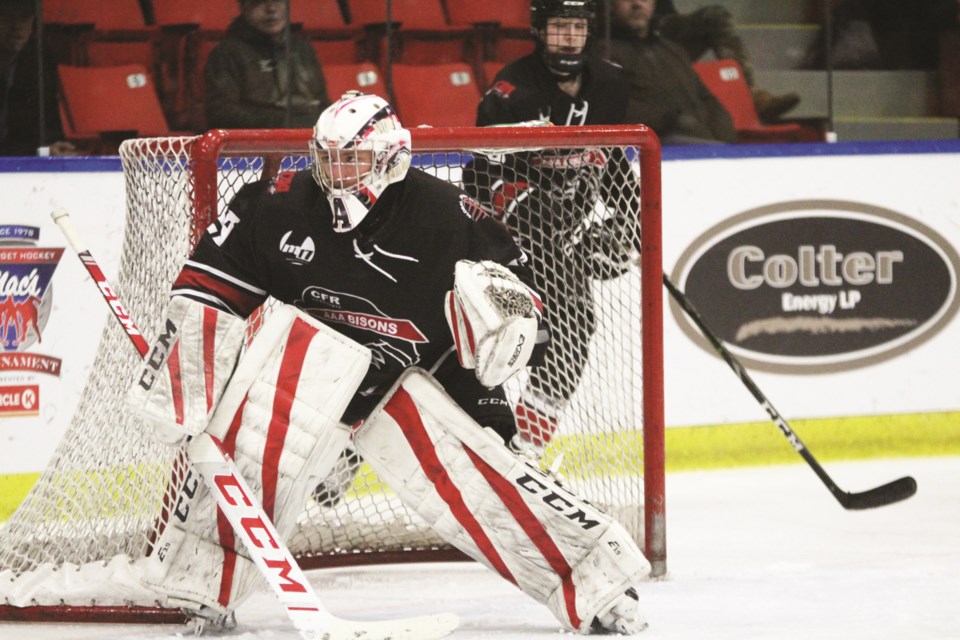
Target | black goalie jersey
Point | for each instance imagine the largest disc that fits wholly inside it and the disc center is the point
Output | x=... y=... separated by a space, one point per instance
x=382 y=285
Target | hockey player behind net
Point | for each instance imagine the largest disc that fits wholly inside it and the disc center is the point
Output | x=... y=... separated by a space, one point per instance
x=573 y=211
x=410 y=280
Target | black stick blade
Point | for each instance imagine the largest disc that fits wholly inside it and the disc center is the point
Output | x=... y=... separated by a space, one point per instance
x=887 y=494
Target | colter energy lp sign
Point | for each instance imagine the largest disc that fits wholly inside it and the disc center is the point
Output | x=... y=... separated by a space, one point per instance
x=814 y=286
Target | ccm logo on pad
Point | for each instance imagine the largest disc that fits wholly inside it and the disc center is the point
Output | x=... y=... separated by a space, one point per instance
x=159 y=354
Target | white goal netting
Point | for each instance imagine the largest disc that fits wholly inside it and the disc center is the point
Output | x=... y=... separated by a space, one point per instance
x=581 y=201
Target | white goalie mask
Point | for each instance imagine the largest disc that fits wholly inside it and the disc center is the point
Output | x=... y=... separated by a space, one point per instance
x=359 y=148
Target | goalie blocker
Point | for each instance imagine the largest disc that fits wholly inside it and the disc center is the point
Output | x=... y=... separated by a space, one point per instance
x=523 y=524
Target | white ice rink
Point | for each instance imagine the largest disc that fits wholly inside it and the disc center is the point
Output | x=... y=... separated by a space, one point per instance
x=752 y=553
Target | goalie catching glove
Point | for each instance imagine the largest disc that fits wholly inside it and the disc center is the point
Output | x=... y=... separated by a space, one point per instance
x=493 y=317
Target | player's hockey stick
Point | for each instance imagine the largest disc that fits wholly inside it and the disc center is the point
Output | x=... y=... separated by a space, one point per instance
x=272 y=557
x=889 y=493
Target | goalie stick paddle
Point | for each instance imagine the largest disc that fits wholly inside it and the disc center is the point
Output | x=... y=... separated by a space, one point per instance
x=272 y=557
x=895 y=491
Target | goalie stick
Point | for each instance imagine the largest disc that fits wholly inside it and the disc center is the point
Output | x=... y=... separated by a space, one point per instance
x=254 y=528
x=895 y=491
x=276 y=563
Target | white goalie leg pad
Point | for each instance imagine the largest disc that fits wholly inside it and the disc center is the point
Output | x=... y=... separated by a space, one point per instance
x=189 y=364
x=484 y=500
x=492 y=317
x=279 y=420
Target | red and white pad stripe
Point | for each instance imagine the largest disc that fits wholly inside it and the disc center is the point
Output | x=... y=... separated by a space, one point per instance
x=481 y=498
x=279 y=419
x=186 y=369
x=280 y=415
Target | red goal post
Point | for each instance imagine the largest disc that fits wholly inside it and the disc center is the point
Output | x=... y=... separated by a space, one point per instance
x=94 y=512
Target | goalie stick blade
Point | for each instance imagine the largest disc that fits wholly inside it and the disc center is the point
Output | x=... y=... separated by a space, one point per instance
x=880 y=496
x=420 y=628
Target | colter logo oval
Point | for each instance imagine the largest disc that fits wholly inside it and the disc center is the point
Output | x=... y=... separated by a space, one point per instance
x=814 y=286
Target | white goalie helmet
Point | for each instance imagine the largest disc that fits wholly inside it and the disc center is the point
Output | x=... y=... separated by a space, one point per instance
x=359 y=148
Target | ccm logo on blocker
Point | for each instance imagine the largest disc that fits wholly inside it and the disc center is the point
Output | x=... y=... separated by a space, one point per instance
x=819 y=285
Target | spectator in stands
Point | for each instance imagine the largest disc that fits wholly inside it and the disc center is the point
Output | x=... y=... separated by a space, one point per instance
x=665 y=91
x=885 y=34
x=711 y=28
x=19 y=109
x=16 y=25
x=247 y=74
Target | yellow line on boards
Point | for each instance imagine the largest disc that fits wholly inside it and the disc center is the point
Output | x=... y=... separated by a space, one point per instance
x=729 y=445
x=13 y=488
x=852 y=438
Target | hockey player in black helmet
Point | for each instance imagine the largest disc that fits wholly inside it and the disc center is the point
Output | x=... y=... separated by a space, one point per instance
x=563 y=81
x=564 y=48
x=548 y=199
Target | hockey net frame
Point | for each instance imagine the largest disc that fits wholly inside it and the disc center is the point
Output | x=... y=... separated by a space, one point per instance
x=195 y=177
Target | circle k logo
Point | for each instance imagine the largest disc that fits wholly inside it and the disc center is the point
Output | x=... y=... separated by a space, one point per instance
x=28 y=399
x=20 y=400
x=815 y=286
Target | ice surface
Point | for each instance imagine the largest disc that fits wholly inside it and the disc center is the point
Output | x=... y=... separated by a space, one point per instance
x=752 y=553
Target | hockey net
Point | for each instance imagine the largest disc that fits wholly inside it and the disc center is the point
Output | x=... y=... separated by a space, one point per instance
x=74 y=547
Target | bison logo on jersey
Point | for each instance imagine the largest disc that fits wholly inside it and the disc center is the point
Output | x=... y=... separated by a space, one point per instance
x=358 y=318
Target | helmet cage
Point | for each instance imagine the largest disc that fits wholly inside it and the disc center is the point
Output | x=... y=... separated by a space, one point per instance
x=359 y=149
x=563 y=64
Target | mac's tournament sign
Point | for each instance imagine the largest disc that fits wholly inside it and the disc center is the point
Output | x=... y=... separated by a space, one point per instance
x=26 y=297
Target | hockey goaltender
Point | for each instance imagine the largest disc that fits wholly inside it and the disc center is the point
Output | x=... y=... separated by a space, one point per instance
x=403 y=312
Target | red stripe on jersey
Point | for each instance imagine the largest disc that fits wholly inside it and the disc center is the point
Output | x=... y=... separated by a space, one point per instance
x=534 y=529
x=281 y=183
x=176 y=381
x=209 y=347
x=403 y=410
x=240 y=300
x=291 y=366
x=224 y=529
